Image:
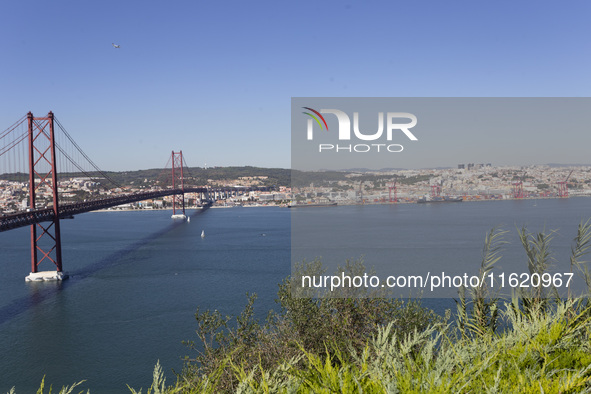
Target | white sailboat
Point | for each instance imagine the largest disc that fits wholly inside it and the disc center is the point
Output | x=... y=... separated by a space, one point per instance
x=188 y=219
x=202 y=233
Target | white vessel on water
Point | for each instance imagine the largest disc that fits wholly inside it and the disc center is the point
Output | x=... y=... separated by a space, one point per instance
x=179 y=216
x=202 y=233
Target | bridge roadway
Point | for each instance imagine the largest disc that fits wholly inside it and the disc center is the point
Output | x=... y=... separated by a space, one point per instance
x=22 y=219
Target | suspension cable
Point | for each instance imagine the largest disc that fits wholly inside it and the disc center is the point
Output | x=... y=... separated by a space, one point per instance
x=84 y=155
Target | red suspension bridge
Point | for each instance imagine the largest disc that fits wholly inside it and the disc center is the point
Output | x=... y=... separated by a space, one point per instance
x=32 y=149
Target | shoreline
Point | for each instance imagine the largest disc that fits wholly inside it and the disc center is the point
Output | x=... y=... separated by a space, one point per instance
x=186 y=209
x=338 y=204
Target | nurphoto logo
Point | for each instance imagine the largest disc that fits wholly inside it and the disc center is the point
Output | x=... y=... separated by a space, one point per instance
x=391 y=125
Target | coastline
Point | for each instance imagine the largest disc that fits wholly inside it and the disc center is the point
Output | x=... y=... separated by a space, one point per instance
x=189 y=208
x=344 y=203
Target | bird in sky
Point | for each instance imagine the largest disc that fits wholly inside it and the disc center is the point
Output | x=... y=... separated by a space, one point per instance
x=115 y=45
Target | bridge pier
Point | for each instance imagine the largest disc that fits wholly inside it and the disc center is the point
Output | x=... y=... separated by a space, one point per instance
x=44 y=276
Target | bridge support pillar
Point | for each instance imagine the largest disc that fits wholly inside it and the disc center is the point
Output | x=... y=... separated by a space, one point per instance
x=178 y=179
x=45 y=238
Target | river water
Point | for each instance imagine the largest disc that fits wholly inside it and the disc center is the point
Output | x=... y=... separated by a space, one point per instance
x=136 y=278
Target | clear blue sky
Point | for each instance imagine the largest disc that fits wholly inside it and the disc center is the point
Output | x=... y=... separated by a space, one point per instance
x=215 y=79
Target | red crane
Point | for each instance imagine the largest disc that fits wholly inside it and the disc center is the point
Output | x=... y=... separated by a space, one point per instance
x=392 y=186
x=563 y=186
x=518 y=187
x=436 y=190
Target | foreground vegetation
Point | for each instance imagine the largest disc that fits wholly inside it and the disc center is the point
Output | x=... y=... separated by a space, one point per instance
x=535 y=342
x=542 y=352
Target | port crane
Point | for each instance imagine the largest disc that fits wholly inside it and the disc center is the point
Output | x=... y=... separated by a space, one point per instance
x=518 y=187
x=392 y=186
x=436 y=189
x=563 y=186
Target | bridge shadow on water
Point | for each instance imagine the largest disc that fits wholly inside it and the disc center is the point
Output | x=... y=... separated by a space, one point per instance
x=42 y=291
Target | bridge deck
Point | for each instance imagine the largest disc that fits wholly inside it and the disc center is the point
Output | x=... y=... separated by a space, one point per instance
x=22 y=219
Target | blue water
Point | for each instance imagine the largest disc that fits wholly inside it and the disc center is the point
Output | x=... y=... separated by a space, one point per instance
x=136 y=278
x=417 y=239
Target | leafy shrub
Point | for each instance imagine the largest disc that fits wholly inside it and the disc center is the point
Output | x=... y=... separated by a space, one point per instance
x=315 y=326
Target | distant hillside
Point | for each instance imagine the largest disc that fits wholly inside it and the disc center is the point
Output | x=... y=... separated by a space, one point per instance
x=199 y=176
x=567 y=165
x=276 y=176
x=193 y=175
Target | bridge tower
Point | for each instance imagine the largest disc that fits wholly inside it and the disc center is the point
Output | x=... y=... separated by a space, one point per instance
x=178 y=180
x=45 y=237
